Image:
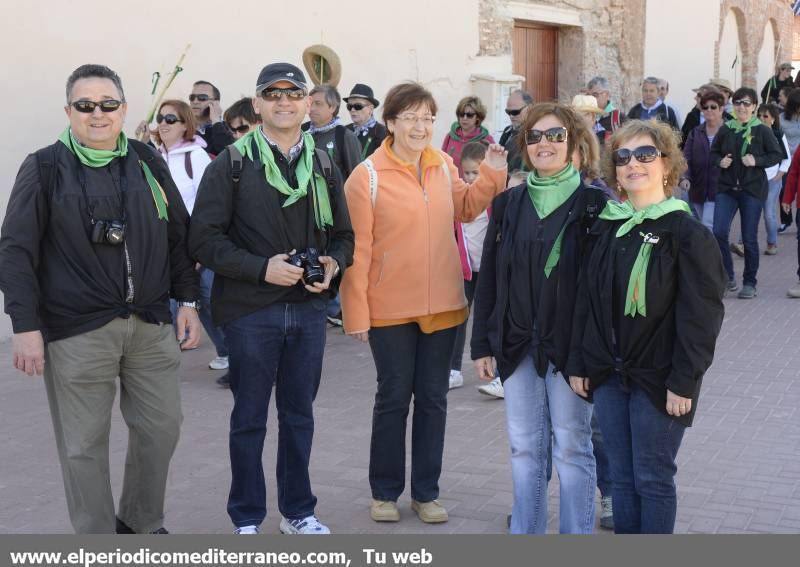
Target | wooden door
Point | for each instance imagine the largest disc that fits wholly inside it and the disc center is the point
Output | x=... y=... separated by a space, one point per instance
x=536 y=58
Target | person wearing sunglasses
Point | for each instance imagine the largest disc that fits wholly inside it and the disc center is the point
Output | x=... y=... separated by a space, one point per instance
x=516 y=106
x=649 y=311
x=702 y=173
x=361 y=104
x=470 y=113
x=404 y=293
x=93 y=243
x=769 y=114
x=205 y=102
x=270 y=215
x=241 y=118
x=744 y=148
x=652 y=106
x=523 y=317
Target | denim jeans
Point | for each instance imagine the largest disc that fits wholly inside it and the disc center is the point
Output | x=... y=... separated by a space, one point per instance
x=750 y=213
x=771 y=211
x=600 y=458
x=409 y=363
x=214 y=333
x=461 y=333
x=534 y=405
x=281 y=344
x=704 y=212
x=642 y=444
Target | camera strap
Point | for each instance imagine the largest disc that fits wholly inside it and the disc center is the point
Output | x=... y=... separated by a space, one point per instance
x=123 y=186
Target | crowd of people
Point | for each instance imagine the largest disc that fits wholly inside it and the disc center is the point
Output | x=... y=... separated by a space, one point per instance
x=590 y=247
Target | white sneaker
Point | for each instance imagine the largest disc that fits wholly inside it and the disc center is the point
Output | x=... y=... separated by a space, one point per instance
x=493 y=388
x=219 y=363
x=456 y=379
x=247 y=530
x=309 y=525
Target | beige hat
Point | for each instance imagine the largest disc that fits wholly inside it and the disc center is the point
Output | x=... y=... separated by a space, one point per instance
x=787 y=66
x=586 y=103
x=723 y=84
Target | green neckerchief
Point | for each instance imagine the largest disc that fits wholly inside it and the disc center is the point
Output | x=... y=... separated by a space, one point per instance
x=635 y=297
x=304 y=170
x=482 y=133
x=101 y=158
x=549 y=193
x=747 y=128
x=609 y=108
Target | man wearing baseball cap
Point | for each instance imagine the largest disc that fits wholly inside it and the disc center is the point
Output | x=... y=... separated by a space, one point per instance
x=773 y=86
x=271 y=221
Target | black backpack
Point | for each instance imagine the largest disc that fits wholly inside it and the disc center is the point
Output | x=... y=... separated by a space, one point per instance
x=322 y=160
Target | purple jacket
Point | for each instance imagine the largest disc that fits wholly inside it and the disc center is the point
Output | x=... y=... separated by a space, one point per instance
x=702 y=173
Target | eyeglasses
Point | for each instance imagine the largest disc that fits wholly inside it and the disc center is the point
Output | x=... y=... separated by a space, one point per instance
x=555 y=135
x=514 y=112
x=643 y=154
x=243 y=129
x=468 y=115
x=743 y=102
x=356 y=106
x=710 y=107
x=88 y=106
x=168 y=118
x=274 y=94
x=426 y=120
x=200 y=97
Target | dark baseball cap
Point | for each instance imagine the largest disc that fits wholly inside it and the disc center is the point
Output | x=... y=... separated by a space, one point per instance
x=276 y=72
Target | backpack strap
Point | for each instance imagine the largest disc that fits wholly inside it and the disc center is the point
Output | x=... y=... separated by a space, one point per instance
x=187 y=164
x=46 y=160
x=341 y=146
x=325 y=163
x=373 y=180
x=236 y=166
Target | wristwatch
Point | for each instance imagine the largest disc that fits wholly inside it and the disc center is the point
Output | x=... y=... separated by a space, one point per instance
x=192 y=304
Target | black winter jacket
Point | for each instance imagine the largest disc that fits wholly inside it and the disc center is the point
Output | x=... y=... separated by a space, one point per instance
x=56 y=280
x=673 y=346
x=370 y=140
x=764 y=147
x=217 y=137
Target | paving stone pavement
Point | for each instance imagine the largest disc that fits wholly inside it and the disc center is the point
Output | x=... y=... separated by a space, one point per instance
x=738 y=468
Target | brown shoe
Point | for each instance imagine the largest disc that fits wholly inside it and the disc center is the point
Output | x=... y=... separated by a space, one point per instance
x=384 y=511
x=430 y=512
x=737 y=249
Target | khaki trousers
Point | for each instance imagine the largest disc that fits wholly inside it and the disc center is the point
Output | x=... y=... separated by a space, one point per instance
x=80 y=377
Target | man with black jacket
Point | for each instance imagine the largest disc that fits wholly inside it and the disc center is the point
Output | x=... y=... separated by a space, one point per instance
x=93 y=245
x=205 y=103
x=652 y=106
x=267 y=199
x=775 y=83
x=516 y=105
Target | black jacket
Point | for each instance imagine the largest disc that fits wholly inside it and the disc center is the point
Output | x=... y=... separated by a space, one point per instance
x=509 y=139
x=371 y=139
x=764 y=147
x=664 y=113
x=774 y=86
x=673 y=346
x=692 y=121
x=235 y=232
x=519 y=311
x=56 y=280
x=217 y=137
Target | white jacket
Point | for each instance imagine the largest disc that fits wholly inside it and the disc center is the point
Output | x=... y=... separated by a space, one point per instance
x=179 y=168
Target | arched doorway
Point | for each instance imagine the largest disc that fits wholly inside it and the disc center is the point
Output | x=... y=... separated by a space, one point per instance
x=766 y=56
x=730 y=51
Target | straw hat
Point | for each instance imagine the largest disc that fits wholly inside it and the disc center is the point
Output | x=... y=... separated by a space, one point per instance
x=722 y=84
x=586 y=103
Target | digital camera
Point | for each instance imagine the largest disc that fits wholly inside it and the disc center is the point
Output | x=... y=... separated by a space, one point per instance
x=308 y=259
x=108 y=232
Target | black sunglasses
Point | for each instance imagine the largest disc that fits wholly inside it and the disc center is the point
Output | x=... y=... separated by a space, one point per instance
x=88 y=106
x=275 y=93
x=710 y=107
x=555 y=135
x=643 y=154
x=168 y=118
x=467 y=115
x=746 y=103
x=243 y=129
x=514 y=112
x=200 y=97
x=356 y=106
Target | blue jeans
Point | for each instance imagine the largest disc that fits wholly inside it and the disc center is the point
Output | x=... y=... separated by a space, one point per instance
x=704 y=212
x=534 y=405
x=750 y=213
x=771 y=211
x=214 y=333
x=642 y=444
x=409 y=363
x=600 y=458
x=281 y=344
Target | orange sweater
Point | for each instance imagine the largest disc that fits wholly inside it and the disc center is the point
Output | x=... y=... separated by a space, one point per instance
x=406 y=262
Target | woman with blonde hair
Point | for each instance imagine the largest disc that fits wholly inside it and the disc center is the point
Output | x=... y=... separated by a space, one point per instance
x=523 y=317
x=646 y=323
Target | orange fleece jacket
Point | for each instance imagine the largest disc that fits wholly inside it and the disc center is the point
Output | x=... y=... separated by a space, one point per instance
x=406 y=261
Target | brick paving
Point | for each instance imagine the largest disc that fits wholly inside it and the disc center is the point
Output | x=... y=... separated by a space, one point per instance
x=739 y=466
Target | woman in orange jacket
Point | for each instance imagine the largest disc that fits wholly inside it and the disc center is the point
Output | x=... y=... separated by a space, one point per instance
x=404 y=292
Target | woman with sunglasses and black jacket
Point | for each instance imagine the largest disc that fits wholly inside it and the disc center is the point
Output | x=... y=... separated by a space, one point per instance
x=523 y=317
x=648 y=313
